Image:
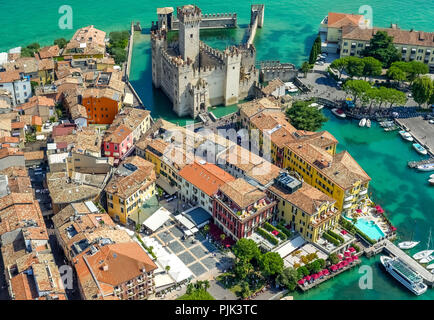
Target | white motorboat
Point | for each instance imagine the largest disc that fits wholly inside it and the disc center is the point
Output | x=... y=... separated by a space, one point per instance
x=427 y=259
x=408 y=244
x=406 y=135
x=404 y=274
x=339 y=113
x=419 y=148
x=368 y=123
x=291 y=87
x=362 y=122
x=431 y=176
x=431 y=182
x=316 y=105
x=430 y=266
x=426 y=167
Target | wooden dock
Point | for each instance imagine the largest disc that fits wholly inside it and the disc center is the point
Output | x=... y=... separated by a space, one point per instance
x=389 y=247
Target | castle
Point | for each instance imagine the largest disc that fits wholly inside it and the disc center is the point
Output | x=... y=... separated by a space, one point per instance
x=195 y=76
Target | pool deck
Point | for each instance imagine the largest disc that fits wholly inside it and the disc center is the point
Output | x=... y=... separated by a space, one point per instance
x=421 y=130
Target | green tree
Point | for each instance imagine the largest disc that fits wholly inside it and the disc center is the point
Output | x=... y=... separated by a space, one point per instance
x=415 y=69
x=61 y=42
x=396 y=73
x=356 y=88
x=394 y=96
x=30 y=50
x=382 y=48
x=245 y=289
x=302 y=272
x=314 y=267
x=422 y=90
x=246 y=249
x=288 y=278
x=316 y=50
x=371 y=67
x=339 y=65
x=333 y=258
x=222 y=237
x=119 y=39
x=355 y=67
x=304 y=117
x=119 y=54
x=271 y=263
x=242 y=269
x=306 y=67
x=206 y=228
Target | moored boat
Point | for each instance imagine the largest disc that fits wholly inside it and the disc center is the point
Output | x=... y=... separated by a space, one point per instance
x=427 y=259
x=426 y=167
x=430 y=266
x=431 y=176
x=362 y=122
x=419 y=148
x=406 y=135
x=368 y=123
x=431 y=182
x=339 y=113
x=425 y=253
x=404 y=274
x=408 y=244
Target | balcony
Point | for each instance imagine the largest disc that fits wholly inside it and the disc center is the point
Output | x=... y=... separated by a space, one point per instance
x=348 y=197
x=324 y=217
x=251 y=210
x=363 y=191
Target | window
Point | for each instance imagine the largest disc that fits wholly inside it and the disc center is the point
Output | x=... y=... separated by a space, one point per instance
x=191 y=36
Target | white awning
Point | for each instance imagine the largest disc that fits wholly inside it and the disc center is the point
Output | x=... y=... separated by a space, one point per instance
x=185 y=222
x=291 y=246
x=157 y=219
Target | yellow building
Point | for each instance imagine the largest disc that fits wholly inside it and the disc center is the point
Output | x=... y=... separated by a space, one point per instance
x=131 y=186
x=308 y=210
x=337 y=175
x=413 y=45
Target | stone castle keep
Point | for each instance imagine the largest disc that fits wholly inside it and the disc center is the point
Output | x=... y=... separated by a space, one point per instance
x=192 y=74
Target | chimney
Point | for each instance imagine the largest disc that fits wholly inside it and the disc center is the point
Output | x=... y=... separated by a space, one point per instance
x=105 y=267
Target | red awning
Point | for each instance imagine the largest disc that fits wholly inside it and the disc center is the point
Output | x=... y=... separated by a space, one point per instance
x=358 y=211
x=301 y=281
x=347 y=253
x=355 y=257
x=351 y=249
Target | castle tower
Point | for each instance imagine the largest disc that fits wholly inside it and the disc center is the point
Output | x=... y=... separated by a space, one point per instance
x=189 y=20
x=232 y=60
x=158 y=42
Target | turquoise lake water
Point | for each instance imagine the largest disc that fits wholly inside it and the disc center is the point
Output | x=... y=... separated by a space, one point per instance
x=289 y=30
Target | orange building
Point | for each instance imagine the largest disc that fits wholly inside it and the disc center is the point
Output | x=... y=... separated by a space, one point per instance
x=102 y=105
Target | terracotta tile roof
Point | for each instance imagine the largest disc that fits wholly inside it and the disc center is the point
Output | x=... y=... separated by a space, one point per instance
x=63 y=130
x=338 y=20
x=46 y=64
x=307 y=198
x=9 y=140
x=253 y=107
x=272 y=85
x=241 y=192
x=403 y=37
x=125 y=261
x=34 y=155
x=125 y=185
x=7 y=152
x=23 y=288
x=86 y=139
x=37 y=101
x=131 y=117
x=206 y=177
x=89 y=34
x=18 y=125
x=49 y=52
x=118 y=135
x=78 y=111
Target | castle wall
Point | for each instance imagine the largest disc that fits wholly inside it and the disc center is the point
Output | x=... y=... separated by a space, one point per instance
x=215 y=78
x=213 y=21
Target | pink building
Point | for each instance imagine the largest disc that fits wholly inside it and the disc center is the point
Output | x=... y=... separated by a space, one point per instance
x=118 y=142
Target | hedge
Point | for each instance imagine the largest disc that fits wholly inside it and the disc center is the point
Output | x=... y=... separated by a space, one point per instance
x=335 y=235
x=268 y=236
x=269 y=227
x=364 y=236
x=284 y=230
x=332 y=239
x=146 y=248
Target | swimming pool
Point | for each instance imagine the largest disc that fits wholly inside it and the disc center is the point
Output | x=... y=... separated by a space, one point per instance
x=369 y=228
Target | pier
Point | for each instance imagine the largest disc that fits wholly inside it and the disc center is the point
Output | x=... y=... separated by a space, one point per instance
x=421 y=130
x=256 y=20
x=389 y=247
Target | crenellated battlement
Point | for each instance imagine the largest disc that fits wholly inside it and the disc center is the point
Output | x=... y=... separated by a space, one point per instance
x=189 y=13
x=158 y=35
x=211 y=51
x=175 y=61
x=219 y=15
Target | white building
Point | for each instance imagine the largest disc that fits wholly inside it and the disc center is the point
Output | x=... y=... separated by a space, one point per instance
x=17 y=84
x=200 y=182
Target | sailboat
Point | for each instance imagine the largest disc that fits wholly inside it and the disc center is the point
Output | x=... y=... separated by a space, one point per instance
x=408 y=244
x=368 y=123
x=425 y=253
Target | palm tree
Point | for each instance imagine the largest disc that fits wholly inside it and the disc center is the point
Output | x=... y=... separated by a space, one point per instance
x=206 y=285
x=206 y=228
x=222 y=237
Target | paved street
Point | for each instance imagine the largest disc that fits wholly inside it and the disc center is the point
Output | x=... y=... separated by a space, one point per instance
x=421 y=129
